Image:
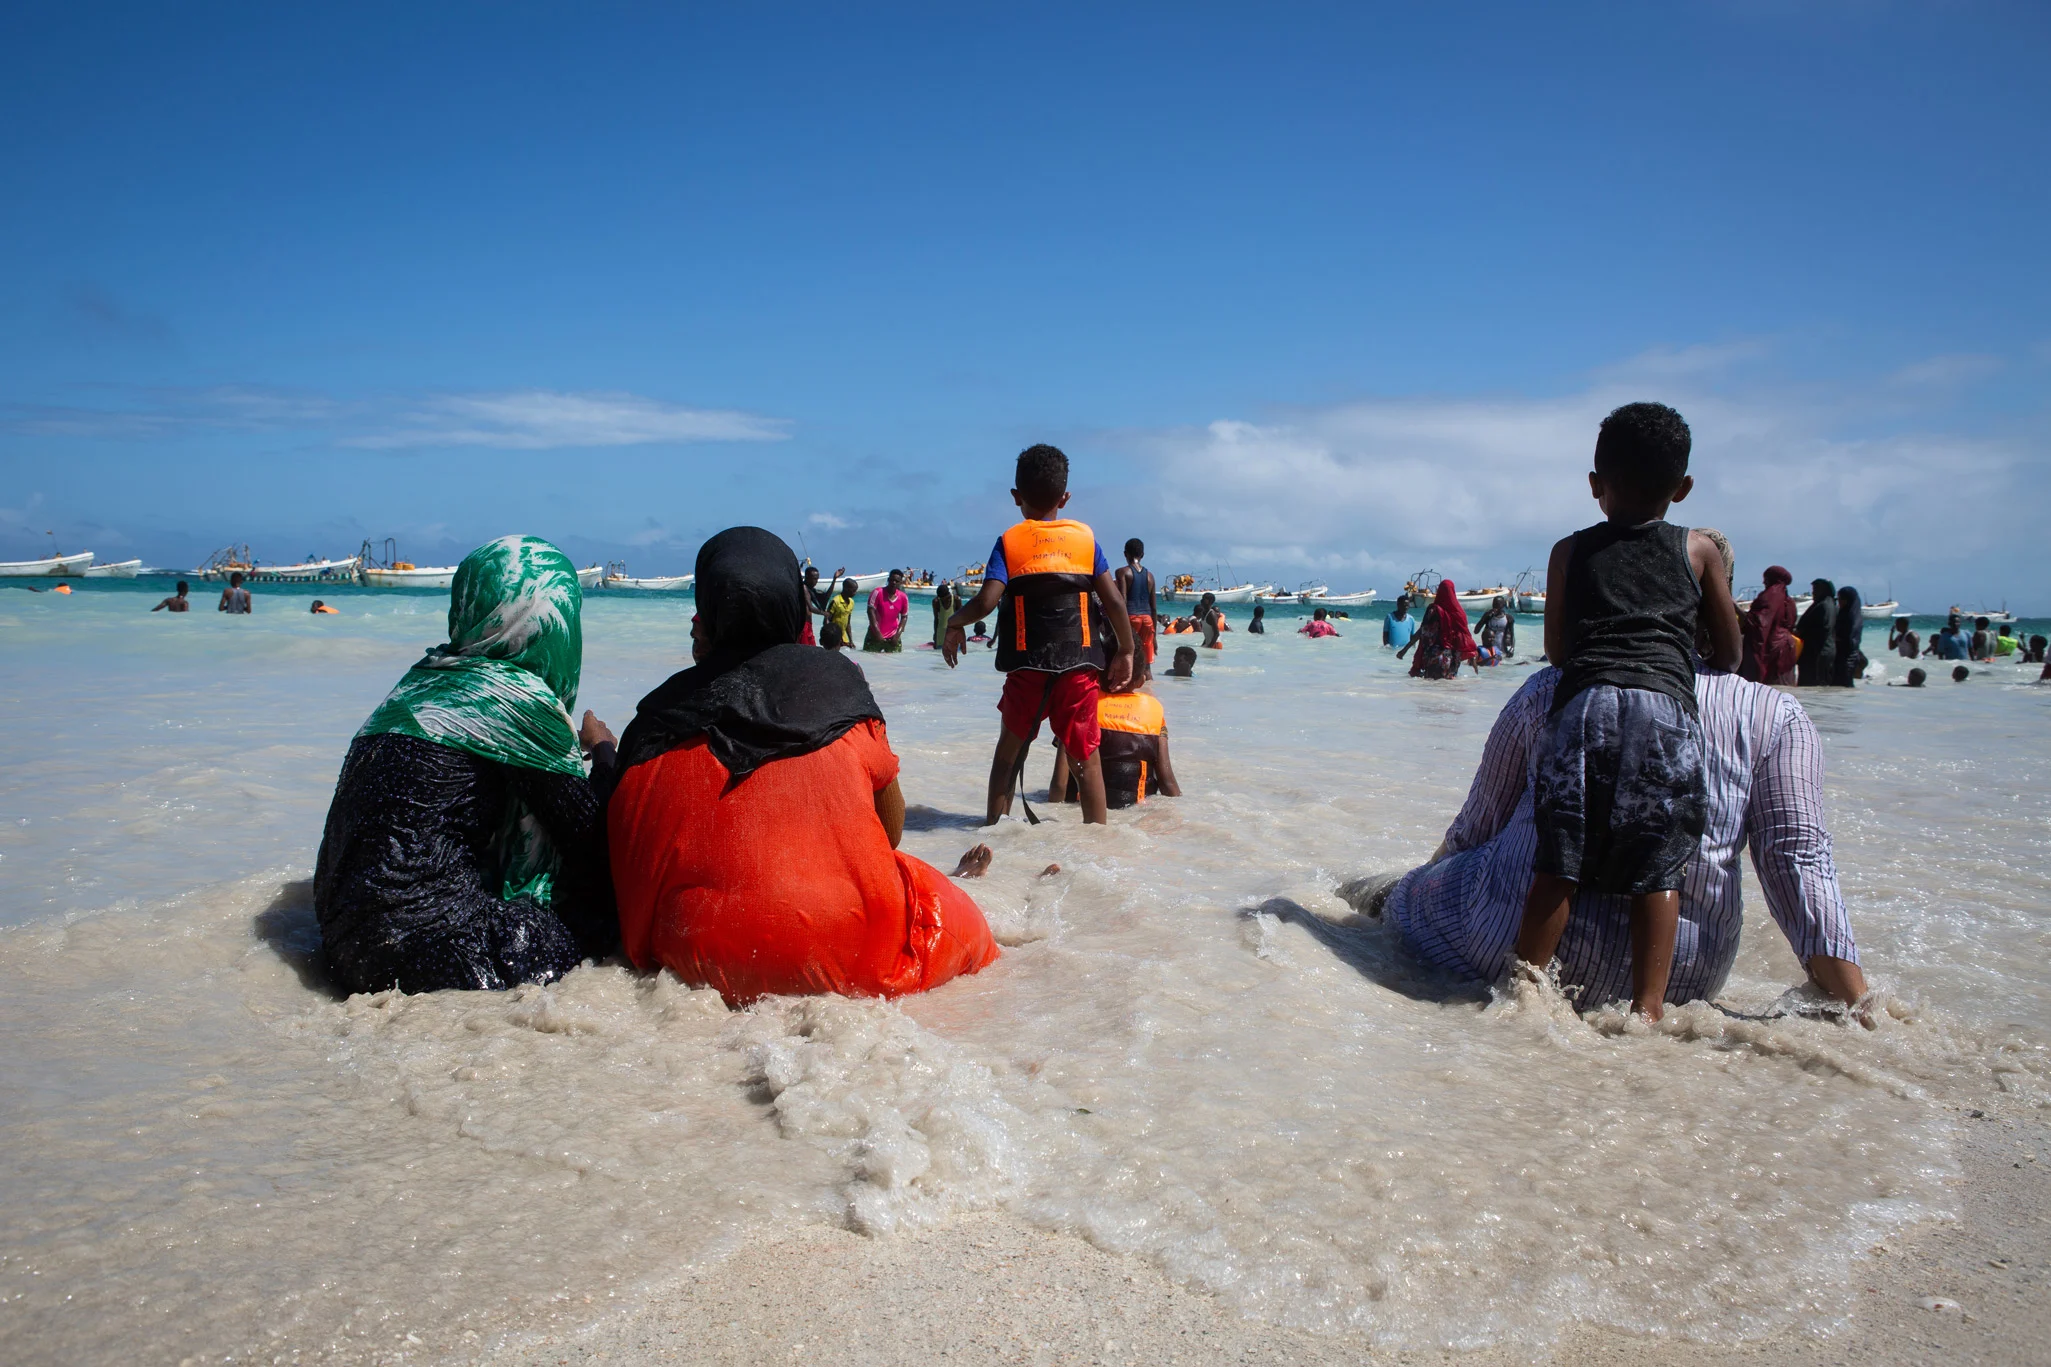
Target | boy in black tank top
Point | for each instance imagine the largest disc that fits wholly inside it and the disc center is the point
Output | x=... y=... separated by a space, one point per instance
x=1617 y=782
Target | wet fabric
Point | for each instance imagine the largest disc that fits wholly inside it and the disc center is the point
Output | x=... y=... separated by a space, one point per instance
x=407 y=887
x=1768 y=627
x=1315 y=629
x=943 y=608
x=891 y=607
x=1259 y=625
x=501 y=687
x=1443 y=641
x=1630 y=604
x=1847 y=637
x=1068 y=702
x=758 y=695
x=1619 y=797
x=785 y=883
x=1817 y=631
x=1397 y=631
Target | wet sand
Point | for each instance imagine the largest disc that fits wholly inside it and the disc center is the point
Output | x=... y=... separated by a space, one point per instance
x=993 y=1289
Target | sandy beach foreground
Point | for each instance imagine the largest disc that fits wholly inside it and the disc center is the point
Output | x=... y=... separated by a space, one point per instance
x=993 y=1289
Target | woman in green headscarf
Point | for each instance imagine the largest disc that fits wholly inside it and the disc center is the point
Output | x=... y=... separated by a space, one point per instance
x=465 y=846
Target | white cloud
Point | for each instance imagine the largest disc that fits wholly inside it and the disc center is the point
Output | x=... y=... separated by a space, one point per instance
x=1947 y=370
x=1481 y=487
x=829 y=521
x=542 y=419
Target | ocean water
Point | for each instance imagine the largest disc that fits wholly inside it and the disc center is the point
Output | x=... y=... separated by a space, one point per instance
x=1187 y=1052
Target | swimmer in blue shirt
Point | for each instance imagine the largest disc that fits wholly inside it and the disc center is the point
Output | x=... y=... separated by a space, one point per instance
x=1399 y=626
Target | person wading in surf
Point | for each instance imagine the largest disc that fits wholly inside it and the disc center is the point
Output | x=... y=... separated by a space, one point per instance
x=1058 y=598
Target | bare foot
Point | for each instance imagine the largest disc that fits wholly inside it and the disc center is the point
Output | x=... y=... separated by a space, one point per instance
x=1050 y=871
x=975 y=863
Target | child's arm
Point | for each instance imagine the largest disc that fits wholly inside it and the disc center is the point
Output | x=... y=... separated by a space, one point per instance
x=975 y=610
x=1556 y=642
x=1169 y=787
x=1719 y=609
x=1120 y=672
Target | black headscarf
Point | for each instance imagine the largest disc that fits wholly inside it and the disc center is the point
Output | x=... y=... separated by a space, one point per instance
x=758 y=695
x=1818 y=633
x=1847 y=635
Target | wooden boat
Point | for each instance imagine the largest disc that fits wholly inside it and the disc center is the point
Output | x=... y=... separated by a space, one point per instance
x=53 y=566
x=120 y=569
x=305 y=572
x=669 y=583
x=404 y=574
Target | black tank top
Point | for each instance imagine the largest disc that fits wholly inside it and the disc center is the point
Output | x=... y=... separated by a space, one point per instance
x=1631 y=599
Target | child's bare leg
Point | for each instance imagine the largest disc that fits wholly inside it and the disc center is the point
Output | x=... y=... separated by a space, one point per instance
x=1057 y=786
x=1545 y=918
x=1655 y=923
x=1089 y=781
x=1003 y=768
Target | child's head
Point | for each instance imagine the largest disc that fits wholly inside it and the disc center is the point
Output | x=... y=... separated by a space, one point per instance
x=1135 y=550
x=183 y=588
x=1961 y=674
x=1901 y=624
x=1319 y=615
x=1916 y=677
x=980 y=632
x=1979 y=624
x=811 y=575
x=235 y=580
x=1641 y=461
x=1040 y=484
x=1185 y=662
x=848 y=587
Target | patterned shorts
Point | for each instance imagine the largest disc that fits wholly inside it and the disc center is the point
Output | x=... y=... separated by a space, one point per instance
x=1618 y=792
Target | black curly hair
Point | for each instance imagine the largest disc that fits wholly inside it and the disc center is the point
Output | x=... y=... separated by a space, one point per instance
x=1643 y=448
x=1042 y=476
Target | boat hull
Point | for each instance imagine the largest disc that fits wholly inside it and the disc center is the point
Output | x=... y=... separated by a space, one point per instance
x=57 y=566
x=674 y=583
x=433 y=577
x=121 y=569
x=1342 y=600
x=306 y=572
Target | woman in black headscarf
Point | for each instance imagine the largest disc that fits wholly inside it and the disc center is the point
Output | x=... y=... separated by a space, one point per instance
x=755 y=826
x=1817 y=631
x=1848 y=662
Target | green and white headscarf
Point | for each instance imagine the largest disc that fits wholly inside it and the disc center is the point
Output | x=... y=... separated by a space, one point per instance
x=502 y=687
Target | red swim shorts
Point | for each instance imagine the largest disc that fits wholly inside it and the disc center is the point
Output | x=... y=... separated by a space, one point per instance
x=1143 y=636
x=1070 y=704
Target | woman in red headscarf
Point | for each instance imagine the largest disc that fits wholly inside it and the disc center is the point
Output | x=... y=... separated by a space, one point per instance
x=1769 y=630
x=1443 y=639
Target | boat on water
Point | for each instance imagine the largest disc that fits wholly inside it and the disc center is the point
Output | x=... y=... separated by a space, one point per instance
x=588 y=577
x=51 y=566
x=404 y=574
x=616 y=577
x=1343 y=600
x=1479 y=600
x=1996 y=616
x=120 y=569
x=1880 y=612
x=305 y=572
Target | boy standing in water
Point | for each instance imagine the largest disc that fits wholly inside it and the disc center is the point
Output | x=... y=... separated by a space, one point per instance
x=1058 y=597
x=1136 y=582
x=1617 y=781
x=840 y=611
x=177 y=602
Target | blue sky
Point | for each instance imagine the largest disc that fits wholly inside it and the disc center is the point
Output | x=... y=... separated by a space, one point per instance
x=1313 y=292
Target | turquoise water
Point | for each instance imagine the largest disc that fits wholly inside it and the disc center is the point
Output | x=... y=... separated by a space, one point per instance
x=209 y=1155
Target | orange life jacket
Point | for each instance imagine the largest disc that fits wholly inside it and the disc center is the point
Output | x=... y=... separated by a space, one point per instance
x=1049 y=618
x=1132 y=725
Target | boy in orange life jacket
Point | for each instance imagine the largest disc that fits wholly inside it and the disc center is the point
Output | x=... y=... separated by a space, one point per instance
x=1134 y=753
x=1062 y=621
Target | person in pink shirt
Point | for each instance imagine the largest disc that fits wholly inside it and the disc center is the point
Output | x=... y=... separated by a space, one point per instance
x=1317 y=626
x=889 y=610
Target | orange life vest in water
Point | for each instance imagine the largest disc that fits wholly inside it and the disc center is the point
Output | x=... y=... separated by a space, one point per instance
x=1132 y=725
x=1049 y=617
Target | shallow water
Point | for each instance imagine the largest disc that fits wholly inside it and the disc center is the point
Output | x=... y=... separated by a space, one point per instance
x=1184 y=1053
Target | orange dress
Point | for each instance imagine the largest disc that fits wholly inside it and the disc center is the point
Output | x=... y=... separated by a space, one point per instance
x=784 y=882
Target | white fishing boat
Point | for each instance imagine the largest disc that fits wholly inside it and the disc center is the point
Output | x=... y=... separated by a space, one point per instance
x=1344 y=600
x=667 y=583
x=54 y=566
x=120 y=569
x=1996 y=616
x=1480 y=599
x=1880 y=612
x=1530 y=594
x=865 y=582
x=304 y=572
x=406 y=575
x=588 y=577
x=1240 y=593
